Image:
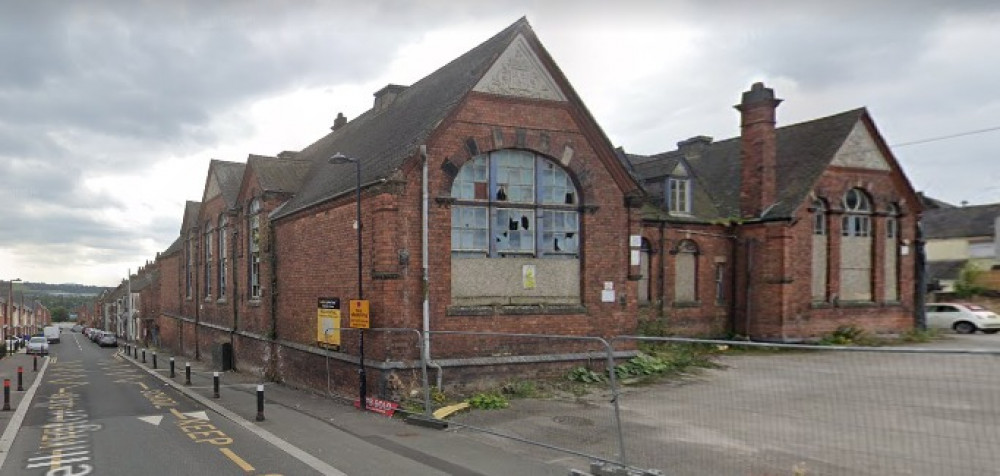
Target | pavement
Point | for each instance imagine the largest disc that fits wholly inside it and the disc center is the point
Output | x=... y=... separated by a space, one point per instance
x=336 y=438
x=31 y=366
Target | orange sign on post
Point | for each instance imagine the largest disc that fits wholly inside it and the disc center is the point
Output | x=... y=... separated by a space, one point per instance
x=359 y=314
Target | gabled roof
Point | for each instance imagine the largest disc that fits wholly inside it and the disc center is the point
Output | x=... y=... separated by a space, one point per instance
x=173 y=248
x=804 y=151
x=960 y=222
x=282 y=175
x=384 y=139
x=191 y=212
x=229 y=175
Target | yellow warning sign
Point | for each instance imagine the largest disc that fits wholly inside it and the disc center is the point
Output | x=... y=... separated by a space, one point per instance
x=359 y=314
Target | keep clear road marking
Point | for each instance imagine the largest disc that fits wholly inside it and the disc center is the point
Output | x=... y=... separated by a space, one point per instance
x=153 y=420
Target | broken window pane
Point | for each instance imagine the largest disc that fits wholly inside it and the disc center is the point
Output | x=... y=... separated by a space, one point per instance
x=513 y=230
x=559 y=232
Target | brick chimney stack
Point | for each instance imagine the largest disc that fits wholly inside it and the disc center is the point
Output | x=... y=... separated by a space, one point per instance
x=758 y=150
x=339 y=122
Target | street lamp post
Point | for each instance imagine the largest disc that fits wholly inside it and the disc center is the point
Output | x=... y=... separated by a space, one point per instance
x=10 y=300
x=339 y=158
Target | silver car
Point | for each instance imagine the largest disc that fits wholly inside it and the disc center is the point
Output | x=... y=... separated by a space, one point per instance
x=963 y=318
x=38 y=345
x=107 y=339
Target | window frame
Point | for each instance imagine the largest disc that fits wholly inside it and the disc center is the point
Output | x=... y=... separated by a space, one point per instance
x=857 y=214
x=253 y=250
x=221 y=272
x=208 y=259
x=497 y=186
x=679 y=195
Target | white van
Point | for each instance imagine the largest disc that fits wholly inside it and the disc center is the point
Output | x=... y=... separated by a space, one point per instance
x=52 y=334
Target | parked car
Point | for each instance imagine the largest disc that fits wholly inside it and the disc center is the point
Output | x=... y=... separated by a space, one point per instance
x=107 y=339
x=963 y=318
x=77 y=328
x=38 y=345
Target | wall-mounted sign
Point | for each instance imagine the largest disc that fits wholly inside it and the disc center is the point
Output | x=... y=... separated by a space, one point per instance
x=359 y=314
x=328 y=322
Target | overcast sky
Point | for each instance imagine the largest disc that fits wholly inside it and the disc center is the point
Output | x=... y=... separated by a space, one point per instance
x=111 y=111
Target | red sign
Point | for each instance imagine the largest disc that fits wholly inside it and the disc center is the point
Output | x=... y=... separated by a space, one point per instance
x=378 y=405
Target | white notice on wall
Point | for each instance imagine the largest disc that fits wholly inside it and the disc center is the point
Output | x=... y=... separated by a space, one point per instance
x=634 y=258
x=608 y=295
x=635 y=241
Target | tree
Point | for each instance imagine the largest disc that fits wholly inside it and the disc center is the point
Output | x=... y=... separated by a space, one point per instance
x=60 y=314
x=968 y=281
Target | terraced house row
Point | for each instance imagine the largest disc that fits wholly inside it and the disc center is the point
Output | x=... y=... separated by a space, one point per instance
x=492 y=202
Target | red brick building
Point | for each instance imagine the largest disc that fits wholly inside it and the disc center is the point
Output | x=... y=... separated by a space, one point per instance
x=491 y=202
x=783 y=233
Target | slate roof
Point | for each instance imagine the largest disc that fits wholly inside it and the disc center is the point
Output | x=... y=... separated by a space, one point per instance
x=946 y=270
x=960 y=222
x=230 y=175
x=384 y=139
x=804 y=151
x=173 y=248
x=191 y=212
x=282 y=175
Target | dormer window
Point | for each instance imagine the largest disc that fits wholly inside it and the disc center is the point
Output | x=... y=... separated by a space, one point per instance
x=679 y=195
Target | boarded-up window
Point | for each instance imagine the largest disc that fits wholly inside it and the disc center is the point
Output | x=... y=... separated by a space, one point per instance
x=686 y=272
x=820 y=242
x=856 y=247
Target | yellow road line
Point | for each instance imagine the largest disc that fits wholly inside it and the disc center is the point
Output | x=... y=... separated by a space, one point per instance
x=236 y=459
x=144 y=386
x=178 y=414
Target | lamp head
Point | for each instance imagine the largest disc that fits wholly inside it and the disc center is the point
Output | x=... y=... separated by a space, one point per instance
x=339 y=158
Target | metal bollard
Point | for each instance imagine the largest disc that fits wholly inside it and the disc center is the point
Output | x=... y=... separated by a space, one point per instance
x=187 y=373
x=20 y=379
x=34 y=363
x=6 y=394
x=144 y=356
x=171 y=367
x=260 y=403
x=154 y=360
x=215 y=384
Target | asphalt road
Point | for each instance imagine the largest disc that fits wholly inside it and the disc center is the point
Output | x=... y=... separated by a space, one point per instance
x=93 y=413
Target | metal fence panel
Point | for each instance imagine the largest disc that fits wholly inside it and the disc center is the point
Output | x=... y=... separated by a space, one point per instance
x=567 y=417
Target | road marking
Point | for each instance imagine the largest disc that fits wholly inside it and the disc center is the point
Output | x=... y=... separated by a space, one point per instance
x=236 y=459
x=153 y=420
x=144 y=386
x=7 y=440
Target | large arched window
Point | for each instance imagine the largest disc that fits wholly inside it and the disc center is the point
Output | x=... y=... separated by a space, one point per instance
x=820 y=257
x=514 y=203
x=253 y=216
x=856 y=247
x=223 y=260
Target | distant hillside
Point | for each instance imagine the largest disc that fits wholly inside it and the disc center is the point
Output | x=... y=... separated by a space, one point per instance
x=65 y=289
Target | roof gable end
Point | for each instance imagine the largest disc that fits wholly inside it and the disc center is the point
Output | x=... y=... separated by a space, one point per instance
x=519 y=72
